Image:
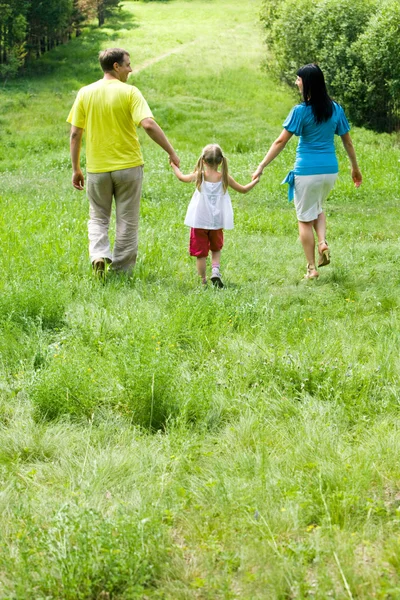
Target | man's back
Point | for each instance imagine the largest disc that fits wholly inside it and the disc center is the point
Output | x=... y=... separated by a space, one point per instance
x=110 y=110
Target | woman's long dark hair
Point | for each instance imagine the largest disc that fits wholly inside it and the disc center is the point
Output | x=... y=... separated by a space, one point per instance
x=315 y=93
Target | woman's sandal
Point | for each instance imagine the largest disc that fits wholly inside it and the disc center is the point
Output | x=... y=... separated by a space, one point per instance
x=312 y=272
x=324 y=254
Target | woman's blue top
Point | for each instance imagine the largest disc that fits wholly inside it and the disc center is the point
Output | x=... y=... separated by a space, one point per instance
x=315 y=152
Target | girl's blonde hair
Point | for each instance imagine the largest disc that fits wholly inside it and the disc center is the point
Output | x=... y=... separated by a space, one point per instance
x=212 y=155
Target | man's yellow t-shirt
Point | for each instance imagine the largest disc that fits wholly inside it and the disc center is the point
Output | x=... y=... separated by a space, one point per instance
x=110 y=111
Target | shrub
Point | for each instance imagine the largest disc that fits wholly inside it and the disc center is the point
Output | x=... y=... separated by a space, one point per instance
x=377 y=50
x=354 y=42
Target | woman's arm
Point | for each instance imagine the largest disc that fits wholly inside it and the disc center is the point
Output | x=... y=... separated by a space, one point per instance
x=276 y=148
x=185 y=178
x=351 y=153
x=243 y=189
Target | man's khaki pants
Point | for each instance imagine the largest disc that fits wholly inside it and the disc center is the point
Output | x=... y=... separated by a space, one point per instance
x=126 y=186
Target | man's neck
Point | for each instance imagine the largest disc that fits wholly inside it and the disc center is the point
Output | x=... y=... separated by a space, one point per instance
x=110 y=76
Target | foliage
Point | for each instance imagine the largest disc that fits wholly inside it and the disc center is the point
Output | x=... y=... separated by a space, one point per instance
x=338 y=36
x=375 y=90
x=30 y=28
x=13 y=31
x=101 y=9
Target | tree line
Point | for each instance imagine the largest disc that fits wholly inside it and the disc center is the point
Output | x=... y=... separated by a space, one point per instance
x=28 y=28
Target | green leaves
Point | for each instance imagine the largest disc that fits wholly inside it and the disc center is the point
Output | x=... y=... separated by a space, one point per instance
x=356 y=44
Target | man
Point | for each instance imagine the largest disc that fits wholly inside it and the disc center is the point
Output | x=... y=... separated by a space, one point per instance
x=110 y=110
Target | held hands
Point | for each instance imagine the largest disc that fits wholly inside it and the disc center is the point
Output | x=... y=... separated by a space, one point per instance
x=257 y=174
x=174 y=160
x=78 y=180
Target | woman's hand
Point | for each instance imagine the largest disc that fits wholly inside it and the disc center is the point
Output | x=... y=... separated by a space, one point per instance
x=356 y=176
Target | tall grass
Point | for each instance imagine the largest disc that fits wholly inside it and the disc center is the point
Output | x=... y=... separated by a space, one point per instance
x=162 y=440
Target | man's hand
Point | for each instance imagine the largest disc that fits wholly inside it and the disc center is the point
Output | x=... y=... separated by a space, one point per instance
x=174 y=160
x=78 y=181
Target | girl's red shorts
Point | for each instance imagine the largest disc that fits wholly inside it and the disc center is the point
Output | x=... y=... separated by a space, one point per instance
x=204 y=240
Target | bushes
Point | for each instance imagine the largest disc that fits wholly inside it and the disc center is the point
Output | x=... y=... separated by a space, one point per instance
x=378 y=49
x=356 y=44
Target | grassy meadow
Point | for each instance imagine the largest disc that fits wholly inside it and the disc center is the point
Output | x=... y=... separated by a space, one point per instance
x=159 y=440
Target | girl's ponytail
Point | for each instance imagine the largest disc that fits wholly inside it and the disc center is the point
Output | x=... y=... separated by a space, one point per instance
x=224 y=172
x=199 y=168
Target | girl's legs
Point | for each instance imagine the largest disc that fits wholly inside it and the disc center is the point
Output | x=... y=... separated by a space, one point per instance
x=216 y=275
x=201 y=262
x=215 y=259
x=201 y=268
x=216 y=245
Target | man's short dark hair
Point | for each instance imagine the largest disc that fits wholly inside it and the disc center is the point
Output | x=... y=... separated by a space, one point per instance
x=110 y=56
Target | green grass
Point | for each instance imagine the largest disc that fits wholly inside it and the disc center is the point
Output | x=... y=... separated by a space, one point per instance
x=158 y=440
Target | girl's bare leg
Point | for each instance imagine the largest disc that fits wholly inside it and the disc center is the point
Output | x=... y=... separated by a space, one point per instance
x=201 y=267
x=216 y=258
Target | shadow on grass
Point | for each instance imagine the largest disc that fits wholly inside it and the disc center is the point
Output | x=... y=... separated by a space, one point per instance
x=78 y=59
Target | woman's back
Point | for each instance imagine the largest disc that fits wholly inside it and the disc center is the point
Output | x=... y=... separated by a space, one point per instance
x=316 y=138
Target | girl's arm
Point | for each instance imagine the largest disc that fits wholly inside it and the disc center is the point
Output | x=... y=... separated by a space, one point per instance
x=276 y=148
x=243 y=189
x=185 y=178
x=351 y=153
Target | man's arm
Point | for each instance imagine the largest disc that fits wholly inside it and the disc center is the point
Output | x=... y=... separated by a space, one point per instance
x=78 y=180
x=155 y=132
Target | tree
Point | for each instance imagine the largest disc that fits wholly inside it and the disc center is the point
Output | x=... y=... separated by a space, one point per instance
x=98 y=8
x=13 y=28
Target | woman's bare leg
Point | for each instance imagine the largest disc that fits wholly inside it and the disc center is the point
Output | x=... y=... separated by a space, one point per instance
x=320 y=227
x=323 y=248
x=307 y=241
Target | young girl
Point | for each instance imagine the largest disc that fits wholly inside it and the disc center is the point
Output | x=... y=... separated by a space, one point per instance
x=210 y=209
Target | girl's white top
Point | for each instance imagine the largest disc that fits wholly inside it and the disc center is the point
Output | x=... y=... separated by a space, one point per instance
x=210 y=207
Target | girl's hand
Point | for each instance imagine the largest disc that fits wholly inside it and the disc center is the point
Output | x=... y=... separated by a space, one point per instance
x=257 y=173
x=356 y=176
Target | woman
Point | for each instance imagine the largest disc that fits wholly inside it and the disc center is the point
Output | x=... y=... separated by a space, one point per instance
x=316 y=120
